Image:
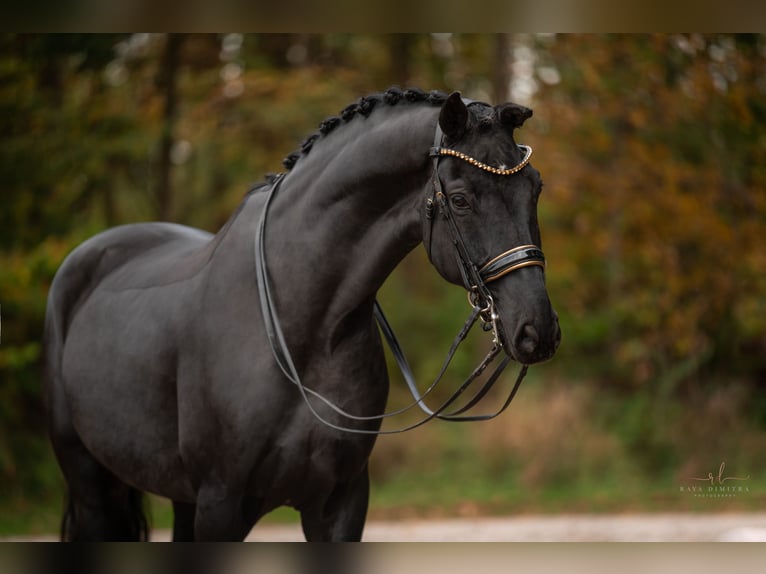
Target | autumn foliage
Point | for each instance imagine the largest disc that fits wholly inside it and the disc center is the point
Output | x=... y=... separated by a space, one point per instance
x=652 y=148
x=654 y=152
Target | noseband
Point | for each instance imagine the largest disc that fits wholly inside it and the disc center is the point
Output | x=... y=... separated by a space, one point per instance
x=475 y=279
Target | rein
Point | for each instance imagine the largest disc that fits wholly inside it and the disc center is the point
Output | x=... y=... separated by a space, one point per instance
x=474 y=279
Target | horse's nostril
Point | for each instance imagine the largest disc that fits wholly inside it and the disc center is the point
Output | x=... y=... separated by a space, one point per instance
x=528 y=339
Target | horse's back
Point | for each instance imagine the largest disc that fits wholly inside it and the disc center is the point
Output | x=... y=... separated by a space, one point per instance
x=103 y=254
x=107 y=331
x=99 y=257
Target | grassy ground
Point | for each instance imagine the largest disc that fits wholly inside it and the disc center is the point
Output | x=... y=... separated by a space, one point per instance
x=445 y=493
x=560 y=448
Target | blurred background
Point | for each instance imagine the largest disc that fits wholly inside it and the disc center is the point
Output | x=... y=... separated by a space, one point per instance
x=653 y=152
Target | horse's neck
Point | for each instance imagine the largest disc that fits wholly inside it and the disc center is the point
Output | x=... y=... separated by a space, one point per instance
x=347 y=214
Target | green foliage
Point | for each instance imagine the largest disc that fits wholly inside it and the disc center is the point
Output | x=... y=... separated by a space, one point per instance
x=24 y=279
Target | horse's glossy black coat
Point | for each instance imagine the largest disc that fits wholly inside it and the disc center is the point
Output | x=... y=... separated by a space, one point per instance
x=159 y=375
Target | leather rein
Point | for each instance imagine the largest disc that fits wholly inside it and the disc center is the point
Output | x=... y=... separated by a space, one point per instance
x=474 y=278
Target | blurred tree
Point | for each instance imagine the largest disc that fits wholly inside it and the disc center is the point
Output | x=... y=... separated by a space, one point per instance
x=501 y=68
x=167 y=81
x=400 y=46
x=653 y=150
x=46 y=197
x=41 y=79
x=664 y=192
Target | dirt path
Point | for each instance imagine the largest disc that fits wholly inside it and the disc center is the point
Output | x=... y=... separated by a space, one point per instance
x=557 y=528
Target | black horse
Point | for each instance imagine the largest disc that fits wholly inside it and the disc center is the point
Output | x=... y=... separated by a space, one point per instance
x=160 y=373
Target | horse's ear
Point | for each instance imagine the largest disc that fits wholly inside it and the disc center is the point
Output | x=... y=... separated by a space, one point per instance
x=513 y=115
x=453 y=118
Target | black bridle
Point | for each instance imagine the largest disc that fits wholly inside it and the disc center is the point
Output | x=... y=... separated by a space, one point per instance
x=474 y=278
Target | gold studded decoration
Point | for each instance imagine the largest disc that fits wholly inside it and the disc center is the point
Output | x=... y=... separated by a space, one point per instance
x=484 y=166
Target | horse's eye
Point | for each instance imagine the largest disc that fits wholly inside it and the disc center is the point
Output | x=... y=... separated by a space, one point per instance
x=459 y=201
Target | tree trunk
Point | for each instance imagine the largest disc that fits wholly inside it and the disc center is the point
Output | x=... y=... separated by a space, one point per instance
x=400 y=69
x=501 y=70
x=168 y=78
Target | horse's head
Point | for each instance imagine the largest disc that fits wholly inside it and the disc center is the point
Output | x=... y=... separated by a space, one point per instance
x=481 y=227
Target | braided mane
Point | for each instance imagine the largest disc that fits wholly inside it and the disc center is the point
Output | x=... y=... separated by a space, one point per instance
x=364 y=106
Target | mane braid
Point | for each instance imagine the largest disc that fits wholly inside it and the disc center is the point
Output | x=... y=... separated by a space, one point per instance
x=362 y=107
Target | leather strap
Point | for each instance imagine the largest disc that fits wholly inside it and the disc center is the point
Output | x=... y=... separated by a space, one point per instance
x=285 y=362
x=512 y=260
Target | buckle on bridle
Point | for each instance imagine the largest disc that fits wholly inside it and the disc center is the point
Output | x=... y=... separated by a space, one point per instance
x=484 y=304
x=429 y=208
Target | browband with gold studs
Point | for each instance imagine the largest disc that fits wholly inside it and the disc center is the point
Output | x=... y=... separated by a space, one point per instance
x=439 y=151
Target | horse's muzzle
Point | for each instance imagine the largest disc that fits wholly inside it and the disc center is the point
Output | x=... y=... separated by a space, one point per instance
x=532 y=342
